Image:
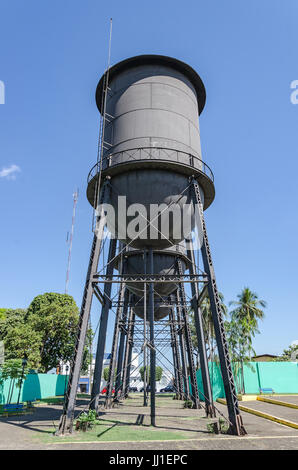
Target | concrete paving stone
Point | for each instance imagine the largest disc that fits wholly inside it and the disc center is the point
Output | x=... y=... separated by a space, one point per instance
x=279 y=411
x=20 y=432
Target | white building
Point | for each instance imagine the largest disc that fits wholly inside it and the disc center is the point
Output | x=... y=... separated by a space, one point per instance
x=135 y=376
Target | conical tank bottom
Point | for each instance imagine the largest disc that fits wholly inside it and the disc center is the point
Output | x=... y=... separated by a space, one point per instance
x=155 y=209
x=161 y=310
x=164 y=262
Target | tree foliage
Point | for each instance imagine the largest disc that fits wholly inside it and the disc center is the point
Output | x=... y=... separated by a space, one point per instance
x=289 y=354
x=241 y=329
x=12 y=369
x=241 y=326
x=106 y=374
x=158 y=373
x=55 y=317
x=19 y=337
x=208 y=326
x=46 y=332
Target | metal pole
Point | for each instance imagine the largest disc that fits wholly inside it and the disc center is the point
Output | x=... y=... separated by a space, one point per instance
x=152 y=348
x=210 y=410
x=126 y=353
x=75 y=200
x=145 y=332
x=176 y=381
x=186 y=393
x=189 y=348
x=121 y=346
x=176 y=359
x=102 y=332
x=66 y=419
x=130 y=354
x=113 y=360
x=235 y=418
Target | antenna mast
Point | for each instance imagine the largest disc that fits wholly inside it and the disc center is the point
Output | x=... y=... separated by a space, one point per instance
x=75 y=200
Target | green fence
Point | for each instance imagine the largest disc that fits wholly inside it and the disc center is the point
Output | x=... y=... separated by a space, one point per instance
x=34 y=387
x=282 y=377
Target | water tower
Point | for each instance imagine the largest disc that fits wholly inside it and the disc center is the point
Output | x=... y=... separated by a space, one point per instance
x=150 y=187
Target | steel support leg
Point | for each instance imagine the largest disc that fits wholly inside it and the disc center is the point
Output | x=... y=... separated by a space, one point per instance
x=123 y=333
x=66 y=420
x=176 y=359
x=126 y=353
x=102 y=332
x=189 y=348
x=186 y=393
x=236 y=424
x=145 y=402
x=152 y=347
x=210 y=410
x=129 y=355
x=113 y=360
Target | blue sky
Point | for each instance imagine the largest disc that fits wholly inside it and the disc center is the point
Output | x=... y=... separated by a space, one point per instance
x=52 y=55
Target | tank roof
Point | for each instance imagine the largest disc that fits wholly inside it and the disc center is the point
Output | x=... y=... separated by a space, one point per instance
x=176 y=64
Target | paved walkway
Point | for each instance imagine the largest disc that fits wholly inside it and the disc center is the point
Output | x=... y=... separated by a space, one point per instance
x=23 y=432
x=279 y=411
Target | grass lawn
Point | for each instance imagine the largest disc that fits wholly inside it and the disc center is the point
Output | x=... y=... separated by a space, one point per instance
x=51 y=400
x=109 y=430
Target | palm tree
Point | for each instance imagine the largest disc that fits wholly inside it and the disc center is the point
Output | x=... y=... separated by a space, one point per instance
x=248 y=307
x=244 y=325
x=208 y=327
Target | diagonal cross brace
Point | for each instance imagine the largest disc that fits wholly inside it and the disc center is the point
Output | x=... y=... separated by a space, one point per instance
x=236 y=425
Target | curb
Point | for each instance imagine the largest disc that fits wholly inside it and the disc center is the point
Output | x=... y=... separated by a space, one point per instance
x=277 y=402
x=285 y=422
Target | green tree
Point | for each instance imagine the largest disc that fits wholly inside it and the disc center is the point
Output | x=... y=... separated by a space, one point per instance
x=248 y=308
x=55 y=317
x=19 y=337
x=12 y=369
x=46 y=332
x=208 y=326
x=106 y=374
x=288 y=354
x=241 y=328
x=2 y=313
x=158 y=373
x=10 y=318
x=20 y=340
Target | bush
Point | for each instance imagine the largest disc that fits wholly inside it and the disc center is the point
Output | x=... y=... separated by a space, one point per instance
x=223 y=426
x=213 y=428
x=86 y=420
x=188 y=404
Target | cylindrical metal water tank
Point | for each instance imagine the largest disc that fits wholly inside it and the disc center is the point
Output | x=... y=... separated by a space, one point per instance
x=152 y=141
x=153 y=102
x=164 y=262
x=161 y=308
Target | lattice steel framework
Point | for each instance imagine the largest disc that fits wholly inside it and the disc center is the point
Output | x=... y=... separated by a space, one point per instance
x=129 y=331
